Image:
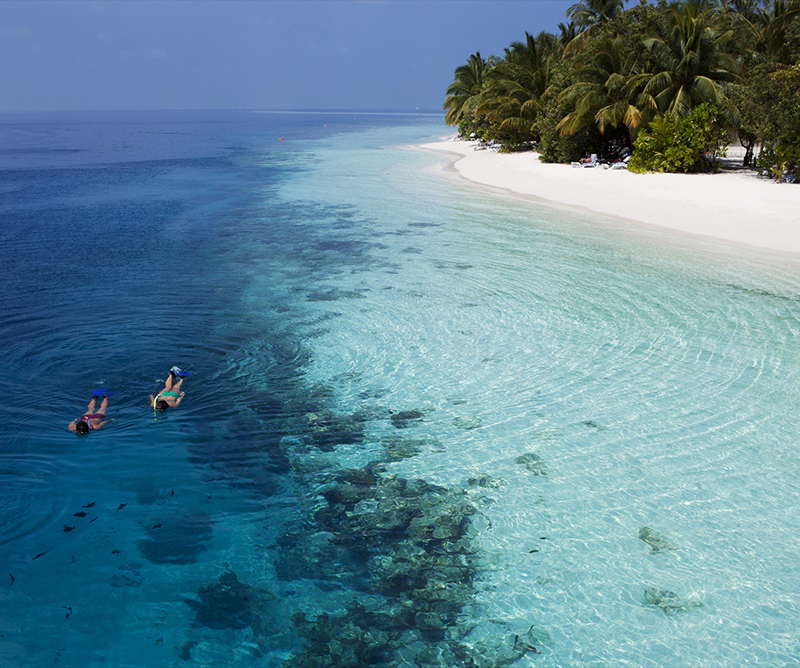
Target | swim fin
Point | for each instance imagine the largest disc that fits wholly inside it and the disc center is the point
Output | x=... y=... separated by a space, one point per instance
x=102 y=393
x=185 y=373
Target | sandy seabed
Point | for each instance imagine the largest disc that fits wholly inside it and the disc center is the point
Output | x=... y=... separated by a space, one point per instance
x=737 y=206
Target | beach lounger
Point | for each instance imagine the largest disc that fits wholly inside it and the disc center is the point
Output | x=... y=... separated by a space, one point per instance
x=494 y=145
x=592 y=162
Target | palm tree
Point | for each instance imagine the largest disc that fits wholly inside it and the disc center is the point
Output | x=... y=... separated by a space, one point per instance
x=591 y=13
x=768 y=26
x=607 y=90
x=693 y=63
x=585 y=18
x=516 y=86
x=568 y=32
x=464 y=93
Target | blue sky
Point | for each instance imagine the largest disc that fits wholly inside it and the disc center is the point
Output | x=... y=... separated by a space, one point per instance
x=259 y=54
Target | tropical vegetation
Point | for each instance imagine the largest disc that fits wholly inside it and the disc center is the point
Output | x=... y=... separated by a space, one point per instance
x=671 y=82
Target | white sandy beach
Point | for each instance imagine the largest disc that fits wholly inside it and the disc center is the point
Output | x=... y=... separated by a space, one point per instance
x=733 y=205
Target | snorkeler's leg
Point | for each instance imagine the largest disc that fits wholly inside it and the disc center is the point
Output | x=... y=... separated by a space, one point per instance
x=90 y=407
x=168 y=383
x=103 y=405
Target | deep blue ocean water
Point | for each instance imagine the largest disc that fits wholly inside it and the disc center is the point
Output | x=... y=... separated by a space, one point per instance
x=427 y=426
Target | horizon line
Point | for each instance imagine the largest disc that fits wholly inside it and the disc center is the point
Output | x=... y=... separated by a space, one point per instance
x=255 y=110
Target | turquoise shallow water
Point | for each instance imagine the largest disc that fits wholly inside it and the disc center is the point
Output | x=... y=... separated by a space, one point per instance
x=427 y=426
x=653 y=379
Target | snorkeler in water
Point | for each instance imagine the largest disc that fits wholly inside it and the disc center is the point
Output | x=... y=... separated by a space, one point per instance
x=94 y=417
x=171 y=396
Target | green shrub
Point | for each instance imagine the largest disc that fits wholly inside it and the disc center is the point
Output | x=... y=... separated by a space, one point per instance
x=777 y=159
x=691 y=143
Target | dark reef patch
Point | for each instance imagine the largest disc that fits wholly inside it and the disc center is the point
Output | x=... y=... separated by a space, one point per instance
x=333 y=295
x=533 y=462
x=668 y=601
x=326 y=430
x=225 y=604
x=179 y=539
x=406 y=550
x=658 y=542
x=398 y=448
x=404 y=419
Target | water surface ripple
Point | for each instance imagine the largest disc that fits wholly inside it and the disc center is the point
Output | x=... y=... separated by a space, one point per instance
x=427 y=425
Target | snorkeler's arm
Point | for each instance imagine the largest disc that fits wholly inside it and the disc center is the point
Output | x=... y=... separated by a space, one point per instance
x=179 y=399
x=152 y=400
x=104 y=422
x=71 y=426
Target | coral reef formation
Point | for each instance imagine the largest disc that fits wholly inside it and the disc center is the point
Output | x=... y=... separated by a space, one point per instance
x=668 y=601
x=655 y=540
x=410 y=552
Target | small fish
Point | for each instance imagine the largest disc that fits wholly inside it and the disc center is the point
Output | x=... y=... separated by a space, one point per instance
x=172 y=492
x=67 y=529
x=121 y=506
x=90 y=505
x=92 y=520
x=115 y=552
x=41 y=554
x=532 y=551
x=13 y=579
x=157 y=526
x=68 y=609
x=80 y=514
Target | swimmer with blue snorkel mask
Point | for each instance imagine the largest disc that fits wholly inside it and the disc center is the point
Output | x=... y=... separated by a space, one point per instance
x=93 y=418
x=171 y=396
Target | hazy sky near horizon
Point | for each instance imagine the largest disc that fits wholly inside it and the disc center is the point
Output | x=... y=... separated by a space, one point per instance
x=251 y=54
